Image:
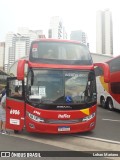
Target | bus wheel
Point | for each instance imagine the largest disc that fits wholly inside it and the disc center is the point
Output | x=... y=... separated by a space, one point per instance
x=110 y=104
x=16 y=131
x=102 y=102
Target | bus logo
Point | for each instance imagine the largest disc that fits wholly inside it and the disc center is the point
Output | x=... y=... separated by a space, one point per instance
x=64 y=107
x=64 y=116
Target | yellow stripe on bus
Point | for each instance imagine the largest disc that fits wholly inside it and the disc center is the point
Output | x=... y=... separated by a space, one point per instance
x=105 y=85
x=86 y=111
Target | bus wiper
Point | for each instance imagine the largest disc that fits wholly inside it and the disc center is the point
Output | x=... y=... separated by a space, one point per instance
x=86 y=99
x=58 y=100
x=85 y=92
x=45 y=101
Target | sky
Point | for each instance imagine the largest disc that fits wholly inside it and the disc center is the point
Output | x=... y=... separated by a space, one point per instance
x=76 y=15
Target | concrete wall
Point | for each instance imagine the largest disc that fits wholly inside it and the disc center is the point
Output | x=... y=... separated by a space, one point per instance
x=100 y=57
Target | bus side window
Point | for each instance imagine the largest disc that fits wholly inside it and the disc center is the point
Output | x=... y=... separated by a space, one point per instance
x=15 y=90
x=98 y=71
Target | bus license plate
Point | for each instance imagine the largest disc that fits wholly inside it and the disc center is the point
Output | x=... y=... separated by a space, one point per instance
x=63 y=128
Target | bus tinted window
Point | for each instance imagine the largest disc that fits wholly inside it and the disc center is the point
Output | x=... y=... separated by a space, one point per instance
x=60 y=53
x=115 y=87
x=98 y=71
x=114 y=64
x=74 y=87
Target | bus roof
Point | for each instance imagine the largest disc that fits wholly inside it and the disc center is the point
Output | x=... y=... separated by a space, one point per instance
x=59 y=40
x=112 y=59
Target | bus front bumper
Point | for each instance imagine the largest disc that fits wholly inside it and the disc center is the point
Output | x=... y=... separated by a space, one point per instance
x=32 y=126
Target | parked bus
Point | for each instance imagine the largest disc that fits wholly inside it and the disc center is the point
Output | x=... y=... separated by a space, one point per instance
x=109 y=93
x=60 y=92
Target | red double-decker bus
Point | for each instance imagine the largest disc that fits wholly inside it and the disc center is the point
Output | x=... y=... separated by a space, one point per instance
x=60 y=91
x=109 y=93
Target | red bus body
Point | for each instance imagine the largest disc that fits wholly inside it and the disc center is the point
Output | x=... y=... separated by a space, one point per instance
x=109 y=93
x=20 y=113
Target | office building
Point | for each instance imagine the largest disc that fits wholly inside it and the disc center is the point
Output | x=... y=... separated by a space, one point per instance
x=57 y=30
x=104 y=32
x=18 y=45
x=79 y=35
x=2 y=54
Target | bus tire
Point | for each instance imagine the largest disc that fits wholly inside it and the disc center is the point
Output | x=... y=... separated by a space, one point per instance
x=16 y=131
x=102 y=102
x=110 y=104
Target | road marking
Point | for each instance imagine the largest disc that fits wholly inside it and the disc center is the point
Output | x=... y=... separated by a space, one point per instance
x=60 y=142
x=81 y=143
x=114 y=120
x=99 y=139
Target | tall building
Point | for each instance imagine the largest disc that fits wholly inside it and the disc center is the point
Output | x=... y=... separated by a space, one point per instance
x=57 y=30
x=2 y=54
x=18 y=45
x=79 y=35
x=104 y=32
x=8 y=49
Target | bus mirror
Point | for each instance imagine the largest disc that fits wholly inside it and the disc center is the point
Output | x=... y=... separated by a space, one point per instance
x=106 y=70
x=20 y=69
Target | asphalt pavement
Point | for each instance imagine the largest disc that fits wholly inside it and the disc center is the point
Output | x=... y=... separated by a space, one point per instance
x=107 y=126
x=10 y=143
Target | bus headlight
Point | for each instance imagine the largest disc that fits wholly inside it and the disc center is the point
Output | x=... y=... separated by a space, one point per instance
x=35 y=118
x=88 y=117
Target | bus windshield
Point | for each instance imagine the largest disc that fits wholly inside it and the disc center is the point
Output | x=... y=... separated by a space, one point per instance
x=61 y=87
x=60 y=53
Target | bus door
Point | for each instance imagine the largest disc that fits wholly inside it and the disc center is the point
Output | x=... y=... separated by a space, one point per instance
x=15 y=104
